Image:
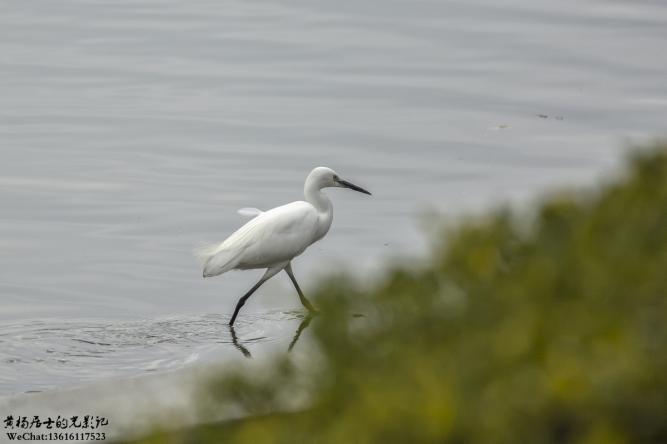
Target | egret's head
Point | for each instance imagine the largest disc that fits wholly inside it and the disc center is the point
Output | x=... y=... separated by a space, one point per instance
x=323 y=177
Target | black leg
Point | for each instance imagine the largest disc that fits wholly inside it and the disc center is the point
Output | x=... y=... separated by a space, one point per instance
x=303 y=299
x=241 y=301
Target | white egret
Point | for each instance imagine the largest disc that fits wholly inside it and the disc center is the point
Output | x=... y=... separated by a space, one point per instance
x=274 y=237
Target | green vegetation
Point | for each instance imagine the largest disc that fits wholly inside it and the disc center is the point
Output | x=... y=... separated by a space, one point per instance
x=555 y=333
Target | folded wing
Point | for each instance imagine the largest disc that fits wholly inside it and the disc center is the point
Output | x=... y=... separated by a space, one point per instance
x=269 y=238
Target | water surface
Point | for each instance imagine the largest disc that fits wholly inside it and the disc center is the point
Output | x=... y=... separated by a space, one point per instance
x=131 y=131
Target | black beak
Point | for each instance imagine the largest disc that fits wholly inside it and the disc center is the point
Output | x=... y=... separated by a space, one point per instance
x=352 y=186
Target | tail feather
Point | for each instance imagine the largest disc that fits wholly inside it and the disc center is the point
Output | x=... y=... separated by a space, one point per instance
x=204 y=252
x=215 y=260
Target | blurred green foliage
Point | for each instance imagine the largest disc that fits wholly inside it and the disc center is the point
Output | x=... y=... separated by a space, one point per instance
x=555 y=333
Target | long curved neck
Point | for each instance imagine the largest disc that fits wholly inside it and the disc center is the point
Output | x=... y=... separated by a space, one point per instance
x=316 y=197
x=312 y=191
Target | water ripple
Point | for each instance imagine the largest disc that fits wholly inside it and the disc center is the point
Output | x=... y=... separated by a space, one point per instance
x=43 y=354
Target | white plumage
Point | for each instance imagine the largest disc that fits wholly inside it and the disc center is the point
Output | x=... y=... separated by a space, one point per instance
x=271 y=239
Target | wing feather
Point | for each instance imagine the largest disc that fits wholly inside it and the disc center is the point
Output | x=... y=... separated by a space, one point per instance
x=250 y=212
x=272 y=236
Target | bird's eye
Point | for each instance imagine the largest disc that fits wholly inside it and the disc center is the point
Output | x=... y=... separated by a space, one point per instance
x=335 y=178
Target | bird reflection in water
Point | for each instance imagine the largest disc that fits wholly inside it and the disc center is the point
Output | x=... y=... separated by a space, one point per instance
x=237 y=344
x=305 y=322
x=302 y=326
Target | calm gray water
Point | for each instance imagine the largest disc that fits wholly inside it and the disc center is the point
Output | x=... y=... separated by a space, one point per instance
x=132 y=130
